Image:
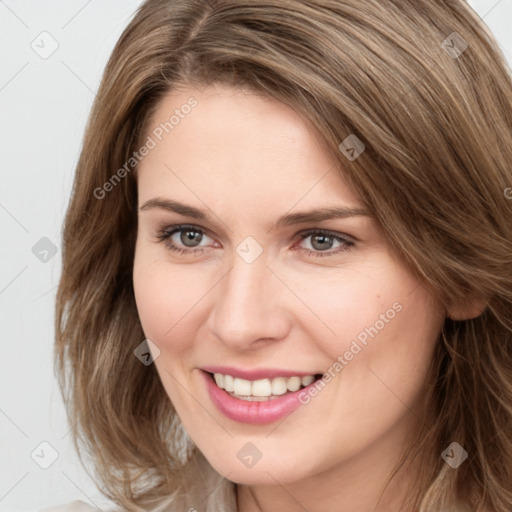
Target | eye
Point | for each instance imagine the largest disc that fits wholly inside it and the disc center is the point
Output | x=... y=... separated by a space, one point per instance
x=187 y=239
x=321 y=241
x=183 y=238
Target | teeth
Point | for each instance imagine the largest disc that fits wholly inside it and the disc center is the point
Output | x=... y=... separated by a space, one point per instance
x=261 y=388
x=293 y=383
x=306 y=381
x=279 y=386
x=242 y=387
x=229 y=383
x=219 y=379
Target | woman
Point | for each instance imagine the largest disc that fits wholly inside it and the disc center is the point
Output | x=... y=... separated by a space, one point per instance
x=287 y=261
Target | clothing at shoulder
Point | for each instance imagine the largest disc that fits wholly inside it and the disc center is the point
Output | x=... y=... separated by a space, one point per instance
x=73 y=506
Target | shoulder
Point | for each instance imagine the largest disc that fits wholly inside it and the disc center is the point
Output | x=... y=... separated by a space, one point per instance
x=73 y=506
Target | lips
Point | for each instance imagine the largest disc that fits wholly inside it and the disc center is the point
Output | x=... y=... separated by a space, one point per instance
x=250 y=409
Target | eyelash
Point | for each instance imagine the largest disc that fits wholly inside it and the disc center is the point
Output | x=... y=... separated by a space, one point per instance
x=166 y=233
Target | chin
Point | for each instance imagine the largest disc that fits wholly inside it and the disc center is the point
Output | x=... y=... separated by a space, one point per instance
x=263 y=472
x=260 y=477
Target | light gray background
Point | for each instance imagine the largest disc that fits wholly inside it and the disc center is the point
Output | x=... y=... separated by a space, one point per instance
x=44 y=105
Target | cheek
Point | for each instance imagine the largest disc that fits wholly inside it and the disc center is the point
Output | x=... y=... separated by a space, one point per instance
x=164 y=294
x=407 y=347
x=383 y=376
x=348 y=304
x=383 y=330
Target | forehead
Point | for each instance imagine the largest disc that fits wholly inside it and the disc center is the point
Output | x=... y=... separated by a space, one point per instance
x=233 y=146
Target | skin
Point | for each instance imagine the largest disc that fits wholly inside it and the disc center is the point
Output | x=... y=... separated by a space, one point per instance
x=247 y=160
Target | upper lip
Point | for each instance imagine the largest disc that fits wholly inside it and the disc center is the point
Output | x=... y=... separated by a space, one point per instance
x=257 y=373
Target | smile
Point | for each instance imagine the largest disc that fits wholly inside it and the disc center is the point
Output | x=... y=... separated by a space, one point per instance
x=262 y=389
x=257 y=401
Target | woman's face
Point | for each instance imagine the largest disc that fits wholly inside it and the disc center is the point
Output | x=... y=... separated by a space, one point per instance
x=246 y=286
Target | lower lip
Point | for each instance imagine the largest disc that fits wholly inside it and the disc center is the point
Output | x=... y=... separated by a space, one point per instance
x=245 y=411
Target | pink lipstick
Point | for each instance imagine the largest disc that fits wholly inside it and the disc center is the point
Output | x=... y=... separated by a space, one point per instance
x=254 y=412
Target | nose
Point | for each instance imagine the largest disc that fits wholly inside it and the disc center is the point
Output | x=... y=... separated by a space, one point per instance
x=249 y=306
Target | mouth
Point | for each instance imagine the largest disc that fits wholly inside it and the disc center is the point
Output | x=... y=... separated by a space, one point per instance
x=261 y=390
x=271 y=396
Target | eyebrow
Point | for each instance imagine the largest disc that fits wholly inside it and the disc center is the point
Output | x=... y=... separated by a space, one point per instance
x=288 y=219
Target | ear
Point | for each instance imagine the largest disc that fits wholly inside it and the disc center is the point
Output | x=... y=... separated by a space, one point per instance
x=468 y=310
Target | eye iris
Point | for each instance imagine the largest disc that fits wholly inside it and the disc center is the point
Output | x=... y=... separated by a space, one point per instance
x=189 y=237
x=321 y=242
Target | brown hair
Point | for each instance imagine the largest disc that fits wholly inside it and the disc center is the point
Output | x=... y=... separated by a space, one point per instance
x=436 y=120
